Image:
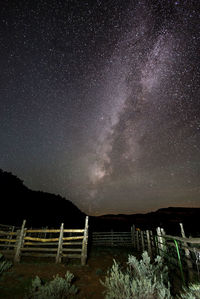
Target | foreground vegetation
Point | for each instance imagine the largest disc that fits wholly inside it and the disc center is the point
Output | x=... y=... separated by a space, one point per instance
x=137 y=278
x=143 y=280
x=4 y=264
x=58 y=288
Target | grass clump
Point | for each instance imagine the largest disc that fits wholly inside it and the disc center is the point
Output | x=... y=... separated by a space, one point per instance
x=141 y=280
x=192 y=292
x=4 y=264
x=58 y=288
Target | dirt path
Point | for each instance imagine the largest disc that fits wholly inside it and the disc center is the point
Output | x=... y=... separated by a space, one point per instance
x=15 y=282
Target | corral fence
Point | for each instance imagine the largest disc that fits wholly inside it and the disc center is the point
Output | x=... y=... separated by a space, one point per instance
x=56 y=243
x=176 y=250
x=112 y=238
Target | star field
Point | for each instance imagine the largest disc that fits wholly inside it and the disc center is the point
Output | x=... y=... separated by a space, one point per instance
x=100 y=101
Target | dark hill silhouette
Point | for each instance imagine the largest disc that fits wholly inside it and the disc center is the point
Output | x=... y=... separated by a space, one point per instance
x=39 y=208
x=168 y=218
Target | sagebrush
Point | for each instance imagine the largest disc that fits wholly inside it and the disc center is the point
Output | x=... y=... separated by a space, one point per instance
x=58 y=288
x=4 y=264
x=141 y=280
x=192 y=292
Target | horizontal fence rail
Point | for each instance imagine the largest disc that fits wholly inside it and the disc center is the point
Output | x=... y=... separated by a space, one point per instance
x=112 y=238
x=57 y=243
x=8 y=227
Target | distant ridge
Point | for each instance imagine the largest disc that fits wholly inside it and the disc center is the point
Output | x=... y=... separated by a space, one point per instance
x=168 y=218
x=17 y=202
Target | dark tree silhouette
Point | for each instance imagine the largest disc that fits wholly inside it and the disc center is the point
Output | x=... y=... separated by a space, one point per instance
x=39 y=208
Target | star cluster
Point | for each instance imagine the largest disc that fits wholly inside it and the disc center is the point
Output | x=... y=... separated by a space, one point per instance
x=100 y=101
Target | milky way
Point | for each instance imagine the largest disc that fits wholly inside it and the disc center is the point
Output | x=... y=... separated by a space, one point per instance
x=102 y=104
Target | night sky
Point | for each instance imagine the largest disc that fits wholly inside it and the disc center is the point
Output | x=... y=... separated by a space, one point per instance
x=100 y=101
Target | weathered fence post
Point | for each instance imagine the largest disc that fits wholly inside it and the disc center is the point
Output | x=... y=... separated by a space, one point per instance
x=19 y=243
x=187 y=254
x=133 y=235
x=153 y=245
x=60 y=241
x=84 y=244
x=137 y=240
x=149 y=243
x=142 y=240
x=9 y=237
x=160 y=241
x=163 y=240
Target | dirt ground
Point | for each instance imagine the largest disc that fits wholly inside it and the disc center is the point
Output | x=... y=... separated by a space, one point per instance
x=15 y=282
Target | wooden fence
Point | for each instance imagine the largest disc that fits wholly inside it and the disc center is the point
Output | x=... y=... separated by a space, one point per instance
x=72 y=243
x=144 y=240
x=177 y=250
x=8 y=227
x=112 y=238
x=57 y=243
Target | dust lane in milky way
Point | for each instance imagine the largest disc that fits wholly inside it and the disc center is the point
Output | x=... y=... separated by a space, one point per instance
x=101 y=102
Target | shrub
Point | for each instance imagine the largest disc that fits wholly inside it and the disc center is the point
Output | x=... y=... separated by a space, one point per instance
x=4 y=265
x=141 y=280
x=192 y=292
x=58 y=288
